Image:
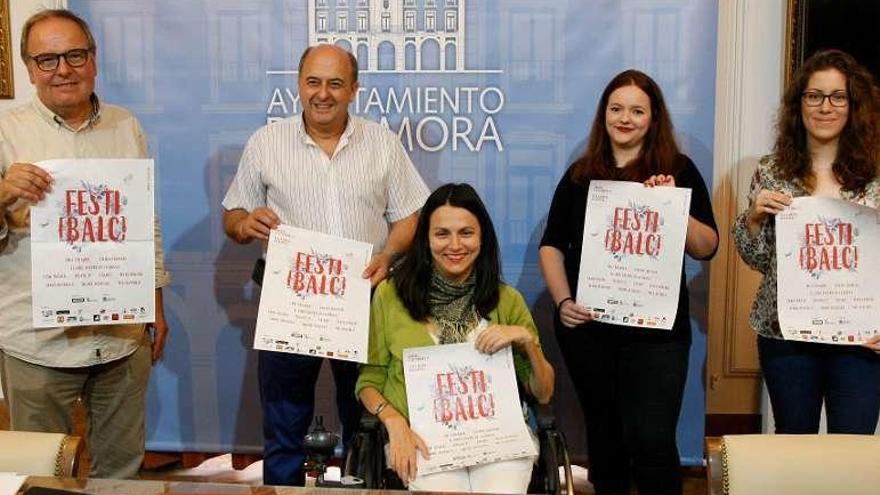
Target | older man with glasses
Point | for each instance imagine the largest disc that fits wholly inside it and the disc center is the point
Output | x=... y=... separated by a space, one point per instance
x=45 y=371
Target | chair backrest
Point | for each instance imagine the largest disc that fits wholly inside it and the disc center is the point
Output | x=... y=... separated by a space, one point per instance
x=45 y=454
x=794 y=464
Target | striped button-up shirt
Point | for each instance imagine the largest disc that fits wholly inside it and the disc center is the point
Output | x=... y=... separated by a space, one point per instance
x=31 y=133
x=367 y=183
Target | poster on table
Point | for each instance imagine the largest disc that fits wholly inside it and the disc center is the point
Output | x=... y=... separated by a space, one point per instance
x=632 y=253
x=314 y=300
x=827 y=267
x=92 y=250
x=465 y=406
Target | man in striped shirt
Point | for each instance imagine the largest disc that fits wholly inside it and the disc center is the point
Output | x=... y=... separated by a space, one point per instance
x=330 y=172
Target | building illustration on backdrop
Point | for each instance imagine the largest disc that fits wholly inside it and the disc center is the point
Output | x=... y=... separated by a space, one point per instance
x=393 y=35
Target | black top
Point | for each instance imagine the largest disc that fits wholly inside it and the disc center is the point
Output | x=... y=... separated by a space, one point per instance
x=565 y=232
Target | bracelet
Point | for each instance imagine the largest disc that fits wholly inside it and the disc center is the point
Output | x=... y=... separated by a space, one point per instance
x=380 y=408
x=559 y=306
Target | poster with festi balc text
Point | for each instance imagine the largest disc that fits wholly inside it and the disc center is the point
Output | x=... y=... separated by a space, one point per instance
x=92 y=244
x=827 y=268
x=314 y=300
x=632 y=253
x=465 y=406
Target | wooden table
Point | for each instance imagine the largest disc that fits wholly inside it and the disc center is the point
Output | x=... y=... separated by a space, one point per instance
x=95 y=486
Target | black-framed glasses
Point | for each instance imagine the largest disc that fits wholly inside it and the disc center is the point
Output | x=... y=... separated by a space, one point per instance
x=49 y=61
x=817 y=98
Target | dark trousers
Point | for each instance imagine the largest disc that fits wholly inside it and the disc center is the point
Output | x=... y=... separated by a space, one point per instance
x=631 y=392
x=800 y=376
x=287 y=395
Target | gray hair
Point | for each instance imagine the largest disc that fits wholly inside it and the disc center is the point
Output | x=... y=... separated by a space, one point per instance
x=54 y=14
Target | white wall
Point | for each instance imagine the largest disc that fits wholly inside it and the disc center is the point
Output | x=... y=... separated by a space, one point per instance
x=19 y=11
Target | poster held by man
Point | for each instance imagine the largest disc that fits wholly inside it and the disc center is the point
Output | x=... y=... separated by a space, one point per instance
x=93 y=254
x=314 y=300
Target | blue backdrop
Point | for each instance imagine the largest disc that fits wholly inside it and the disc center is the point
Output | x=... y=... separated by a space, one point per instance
x=497 y=93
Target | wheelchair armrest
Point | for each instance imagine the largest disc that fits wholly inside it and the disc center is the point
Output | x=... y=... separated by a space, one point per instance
x=369 y=422
x=544 y=416
x=364 y=459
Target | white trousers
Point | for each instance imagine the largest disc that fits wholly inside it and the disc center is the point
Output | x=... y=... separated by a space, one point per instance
x=511 y=476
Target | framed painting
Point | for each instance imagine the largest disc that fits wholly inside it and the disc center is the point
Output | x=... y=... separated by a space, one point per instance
x=7 y=90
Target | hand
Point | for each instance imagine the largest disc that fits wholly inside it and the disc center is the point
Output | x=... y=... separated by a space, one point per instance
x=768 y=203
x=258 y=224
x=660 y=181
x=497 y=337
x=402 y=446
x=24 y=181
x=571 y=314
x=159 y=334
x=378 y=268
x=873 y=343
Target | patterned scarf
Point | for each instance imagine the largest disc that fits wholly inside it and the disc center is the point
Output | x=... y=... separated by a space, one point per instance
x=451 y=306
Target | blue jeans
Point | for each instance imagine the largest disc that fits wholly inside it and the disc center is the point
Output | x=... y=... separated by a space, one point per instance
x=287 y=395
x=801 y=375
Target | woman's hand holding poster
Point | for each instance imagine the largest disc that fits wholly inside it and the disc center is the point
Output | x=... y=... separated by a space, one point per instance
x=465 y=406
x=632 y=253
x=92 y=250
x=314 y=300
x=827 y=271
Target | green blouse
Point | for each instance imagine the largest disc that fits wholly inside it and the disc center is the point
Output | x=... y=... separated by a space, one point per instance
x=392 y=330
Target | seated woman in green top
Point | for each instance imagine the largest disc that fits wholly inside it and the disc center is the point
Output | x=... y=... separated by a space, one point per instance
x=448 y=283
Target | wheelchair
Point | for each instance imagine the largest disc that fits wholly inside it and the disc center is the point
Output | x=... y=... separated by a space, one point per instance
x=365 y=460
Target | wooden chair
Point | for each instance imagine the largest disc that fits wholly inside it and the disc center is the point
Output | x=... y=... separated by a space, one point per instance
x=43 y=454
x=793 y=464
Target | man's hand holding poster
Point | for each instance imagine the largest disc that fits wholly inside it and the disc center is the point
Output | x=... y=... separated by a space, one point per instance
x=465 y=406
x=827 y=271
x=632 y=253
x=314 y=300
x=92 y=251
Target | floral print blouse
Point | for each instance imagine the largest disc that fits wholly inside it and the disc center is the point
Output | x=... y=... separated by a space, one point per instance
x=759 y=252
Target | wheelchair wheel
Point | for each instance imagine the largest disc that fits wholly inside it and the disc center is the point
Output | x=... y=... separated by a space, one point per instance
x=360 y=461
x=550 y=468
x=367 y=461
x=553 y=456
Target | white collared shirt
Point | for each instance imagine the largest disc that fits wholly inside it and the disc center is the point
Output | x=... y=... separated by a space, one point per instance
x=368 y=183
x=31 y=133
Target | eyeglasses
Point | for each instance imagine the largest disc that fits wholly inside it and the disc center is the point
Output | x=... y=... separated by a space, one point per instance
x=49 y=61
x=817 y=98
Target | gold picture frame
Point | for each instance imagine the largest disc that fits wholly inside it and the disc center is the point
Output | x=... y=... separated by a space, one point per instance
x=819 y=24
x=794 y=34
x=7 y=87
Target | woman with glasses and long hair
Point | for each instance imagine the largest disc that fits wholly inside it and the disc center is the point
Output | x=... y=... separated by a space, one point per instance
x=827 y=144
x=630 y=381
x=448 y=290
